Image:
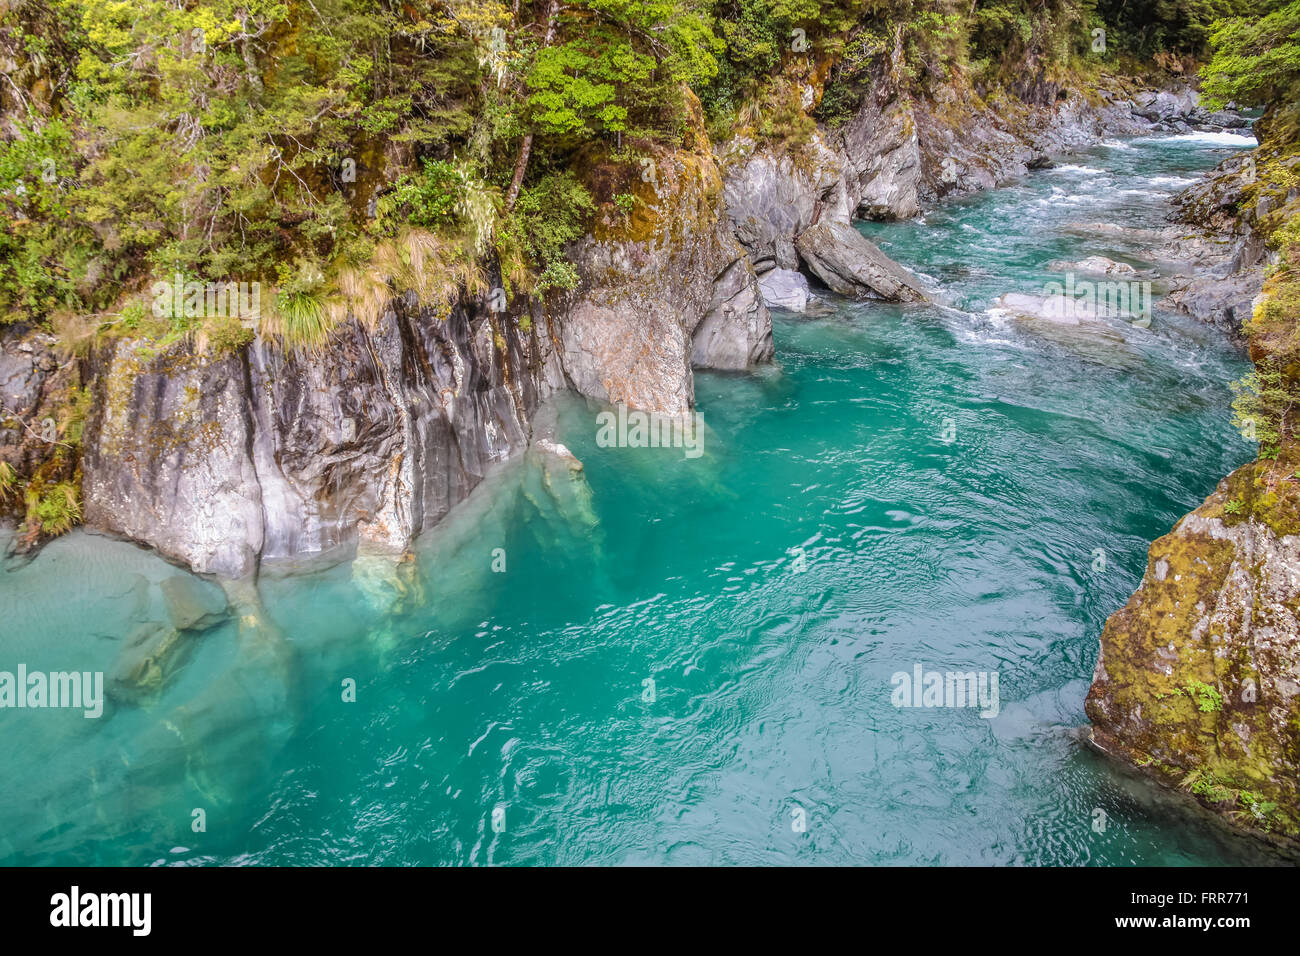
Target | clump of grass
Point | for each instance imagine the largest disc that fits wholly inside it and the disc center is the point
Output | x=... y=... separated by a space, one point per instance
x=8 y=482
x=53 y=509
x=300 y=317
x=224 y=336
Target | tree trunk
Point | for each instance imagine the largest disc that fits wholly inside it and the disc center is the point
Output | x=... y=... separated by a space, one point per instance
x=526 y=147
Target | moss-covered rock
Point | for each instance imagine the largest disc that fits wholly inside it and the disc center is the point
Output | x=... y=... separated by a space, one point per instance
x=1198 y=679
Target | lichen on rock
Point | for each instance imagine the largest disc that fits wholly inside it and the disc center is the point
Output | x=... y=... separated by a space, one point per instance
x=1198 y=679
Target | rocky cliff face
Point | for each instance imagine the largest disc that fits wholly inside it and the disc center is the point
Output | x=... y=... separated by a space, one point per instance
x=668 y=289
x=220 y=462
x=31 y=378
x=1220 y=252
x=792 y=206
x=1198 y=679
x=224 y=461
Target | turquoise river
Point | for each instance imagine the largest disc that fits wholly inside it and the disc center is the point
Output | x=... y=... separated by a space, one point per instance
x=689 y=660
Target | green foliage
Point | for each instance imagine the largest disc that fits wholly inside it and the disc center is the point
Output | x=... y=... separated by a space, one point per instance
x=1204 y=783
x=1250 y=806
x=548 y=217
x=427 y=200
x=1256 y=58
x=72 y=416
x=1207 y=699
x=616 y=66
x=53 y=509
x=225 y=138
x=301 y=317
x=1261 y=406
x=1147 y=27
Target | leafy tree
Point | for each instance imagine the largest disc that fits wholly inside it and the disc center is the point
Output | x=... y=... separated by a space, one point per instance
x=1256 y=59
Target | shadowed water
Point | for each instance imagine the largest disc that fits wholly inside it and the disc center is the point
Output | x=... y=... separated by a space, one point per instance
x=681 y=652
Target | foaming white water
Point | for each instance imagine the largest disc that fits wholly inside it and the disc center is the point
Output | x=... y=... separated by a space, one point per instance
x=1218 y=139
x=1071 y=168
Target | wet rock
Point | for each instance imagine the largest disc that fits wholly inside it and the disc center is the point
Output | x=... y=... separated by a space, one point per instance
x=377 y=438
x=1166 y=105
x=220 y=463
x=1227 y=302
x=784 y=289
x=1094 y=265
x=841 y=257
x=34 y=379
x=1058 y=310
x=1221 y=260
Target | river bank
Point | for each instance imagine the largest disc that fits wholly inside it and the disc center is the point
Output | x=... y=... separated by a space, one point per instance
x=944 y=477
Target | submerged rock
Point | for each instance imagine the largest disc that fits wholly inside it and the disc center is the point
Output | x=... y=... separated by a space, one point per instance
x=150 y=655
x=193 y=605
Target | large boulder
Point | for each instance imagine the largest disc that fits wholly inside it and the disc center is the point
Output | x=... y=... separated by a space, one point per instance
x=842 y=257
x=1198 y=679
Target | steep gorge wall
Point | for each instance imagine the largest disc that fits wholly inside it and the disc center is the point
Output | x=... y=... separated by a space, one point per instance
x=223 y=461
x=1197 y=681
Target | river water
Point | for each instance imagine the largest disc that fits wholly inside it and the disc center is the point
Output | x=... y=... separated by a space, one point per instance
x=691 y=660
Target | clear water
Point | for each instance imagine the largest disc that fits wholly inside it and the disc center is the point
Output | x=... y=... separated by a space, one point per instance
x=949 y=475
